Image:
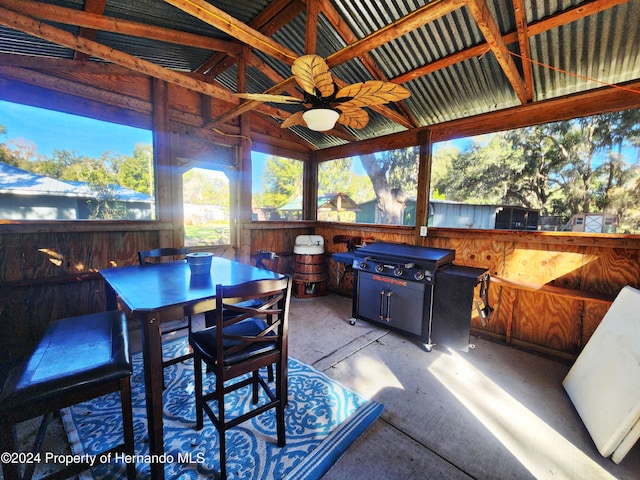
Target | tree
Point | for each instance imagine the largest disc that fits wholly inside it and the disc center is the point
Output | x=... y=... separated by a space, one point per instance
x=282 y=181
x=201 y=187
x=392 y=174
x=134 y=171
x=334 y=176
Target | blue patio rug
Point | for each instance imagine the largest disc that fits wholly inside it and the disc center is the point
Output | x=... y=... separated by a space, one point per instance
x=323 y=418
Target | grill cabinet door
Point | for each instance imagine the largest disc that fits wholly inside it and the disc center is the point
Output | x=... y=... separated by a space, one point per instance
x=392 y=302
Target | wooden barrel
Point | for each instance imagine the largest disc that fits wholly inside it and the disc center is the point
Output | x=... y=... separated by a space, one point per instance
x=309 y=268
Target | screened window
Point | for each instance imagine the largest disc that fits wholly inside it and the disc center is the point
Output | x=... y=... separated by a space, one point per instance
x=206 y=207
x=581 y=175
x=378 y=188
x=277 y=188
x=56 y=166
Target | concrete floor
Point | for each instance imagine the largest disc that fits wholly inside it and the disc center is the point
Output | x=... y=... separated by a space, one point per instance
x=491 y=413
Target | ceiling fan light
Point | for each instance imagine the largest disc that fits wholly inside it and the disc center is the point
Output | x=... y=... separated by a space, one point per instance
x=320 y=119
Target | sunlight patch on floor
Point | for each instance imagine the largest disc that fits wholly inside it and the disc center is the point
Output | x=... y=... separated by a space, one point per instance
x=372 y=376
x=540 y=449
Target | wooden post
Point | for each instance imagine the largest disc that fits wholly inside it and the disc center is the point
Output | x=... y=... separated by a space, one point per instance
x=168 y=177
x=310 y=189
x=244 y=170
x=424 y=184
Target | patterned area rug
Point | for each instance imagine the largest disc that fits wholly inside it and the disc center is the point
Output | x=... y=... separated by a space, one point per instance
x=323 y=418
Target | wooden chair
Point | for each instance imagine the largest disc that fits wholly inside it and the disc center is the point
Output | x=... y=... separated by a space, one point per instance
x=163 y=255
x=267 y=260
x=237 y=347
x=77 y=359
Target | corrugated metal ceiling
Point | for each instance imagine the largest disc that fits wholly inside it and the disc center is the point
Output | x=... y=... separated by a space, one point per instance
x=567 y=58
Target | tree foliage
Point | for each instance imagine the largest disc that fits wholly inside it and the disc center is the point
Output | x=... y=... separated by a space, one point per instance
x=561 y=168
x=282 y=181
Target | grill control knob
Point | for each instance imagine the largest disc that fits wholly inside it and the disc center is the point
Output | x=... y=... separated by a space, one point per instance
x=398 y=271
x=379 y=268
x=419 y=275
x=363 y=265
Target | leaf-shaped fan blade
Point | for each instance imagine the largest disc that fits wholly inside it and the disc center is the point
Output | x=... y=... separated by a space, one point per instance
x=265 y=97
x=373 y=92
x=352 y=116
x=295 y=119
x=312 y=74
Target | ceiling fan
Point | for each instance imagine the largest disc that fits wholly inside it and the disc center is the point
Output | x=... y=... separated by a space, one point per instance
x=328 y=104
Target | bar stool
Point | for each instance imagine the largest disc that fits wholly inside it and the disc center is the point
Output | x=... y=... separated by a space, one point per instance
x=77 y=359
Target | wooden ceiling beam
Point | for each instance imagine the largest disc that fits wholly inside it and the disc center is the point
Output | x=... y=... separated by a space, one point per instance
x=311 y=28
x=93 y=21
x=536 y=28
x=270 y=20
x=90 y=6
x=38 y=29
x=585 y=9
x=489 y=28
x=592 y=102
x=64 y=64
x=417 y=18
x=70 y=87
x=520 y=15
x=231 y=26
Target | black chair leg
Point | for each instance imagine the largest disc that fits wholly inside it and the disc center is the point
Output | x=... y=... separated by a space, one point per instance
x=8 y=444
x=197 y=375
x=127 y=424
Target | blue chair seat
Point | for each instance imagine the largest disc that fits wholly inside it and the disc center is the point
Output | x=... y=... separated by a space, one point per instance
x=205 y=341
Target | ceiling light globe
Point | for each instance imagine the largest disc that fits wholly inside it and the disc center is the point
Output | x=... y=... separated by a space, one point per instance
x=320 y=119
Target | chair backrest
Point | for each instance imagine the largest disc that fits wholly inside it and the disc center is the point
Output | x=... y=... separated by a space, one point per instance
x=267 y=260
x=252 y=330
x=161 y=254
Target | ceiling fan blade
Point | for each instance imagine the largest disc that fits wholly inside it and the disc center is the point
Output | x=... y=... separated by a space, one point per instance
x=312 y=74
x=295 y=119
x=373 y=92
x=352 y=116
x=265 y=97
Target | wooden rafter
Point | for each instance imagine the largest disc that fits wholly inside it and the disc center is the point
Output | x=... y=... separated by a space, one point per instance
x=489 y=28
x=86 y=20
x=38 y=29
x=221 y=20
x=90 y=6
x=406 y=24
x=277 y=14
x=523 y=42
x=536 y=28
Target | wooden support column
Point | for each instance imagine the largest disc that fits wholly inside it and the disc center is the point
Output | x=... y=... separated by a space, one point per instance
x=244 y=169
x=424 y=184
x=310 y=188
x=167 y=175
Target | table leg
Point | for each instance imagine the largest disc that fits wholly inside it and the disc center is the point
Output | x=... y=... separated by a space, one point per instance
x=153 y=382
x=111 y=299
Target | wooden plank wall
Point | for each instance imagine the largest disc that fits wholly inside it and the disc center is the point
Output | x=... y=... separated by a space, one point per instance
x=47 y=274
x=549 y=290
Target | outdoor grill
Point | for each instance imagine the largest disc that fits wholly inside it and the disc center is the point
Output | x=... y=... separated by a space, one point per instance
x=397 y=286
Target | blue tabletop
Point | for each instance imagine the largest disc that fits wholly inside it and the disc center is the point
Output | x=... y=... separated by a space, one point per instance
x=155 y=286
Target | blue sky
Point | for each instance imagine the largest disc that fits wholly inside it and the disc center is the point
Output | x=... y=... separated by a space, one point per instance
x=51 y=130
